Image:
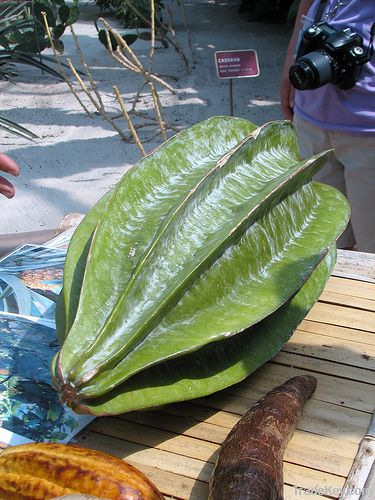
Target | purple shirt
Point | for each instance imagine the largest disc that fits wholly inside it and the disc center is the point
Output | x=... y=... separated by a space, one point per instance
x=350 y=110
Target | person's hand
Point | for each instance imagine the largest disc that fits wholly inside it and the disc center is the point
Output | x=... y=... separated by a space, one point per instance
x=10 y=167
x=287 y=98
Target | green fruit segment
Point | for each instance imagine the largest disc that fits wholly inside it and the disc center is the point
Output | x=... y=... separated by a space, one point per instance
x=141 y=200
x=217 y=365
x=75 y=265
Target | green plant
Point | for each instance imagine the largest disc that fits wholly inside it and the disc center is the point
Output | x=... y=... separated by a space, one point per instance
x=147 y=14
x=204 y=259
x=131 y=14
x=23 y=37
x=22 y=28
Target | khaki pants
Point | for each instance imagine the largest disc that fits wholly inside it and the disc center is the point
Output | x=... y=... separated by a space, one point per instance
x=352 y=171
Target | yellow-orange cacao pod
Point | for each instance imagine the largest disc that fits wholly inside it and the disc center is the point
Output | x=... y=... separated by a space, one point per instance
x=41 y=471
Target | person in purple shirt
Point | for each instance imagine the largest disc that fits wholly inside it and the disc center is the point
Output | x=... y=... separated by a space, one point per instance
x=334 y=111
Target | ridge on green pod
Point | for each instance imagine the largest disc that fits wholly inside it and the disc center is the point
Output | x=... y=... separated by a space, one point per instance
x=189 y=250
x=154 y=183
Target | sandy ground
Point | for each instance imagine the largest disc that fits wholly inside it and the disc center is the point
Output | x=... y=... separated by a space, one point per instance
x=77 y=158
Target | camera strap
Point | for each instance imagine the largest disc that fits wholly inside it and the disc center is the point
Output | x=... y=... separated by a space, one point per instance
x=320 y=10
x=331 y=12
x=370 y=48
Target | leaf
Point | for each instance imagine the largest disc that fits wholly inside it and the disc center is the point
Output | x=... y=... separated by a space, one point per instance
x=144 y=35
x=64 y=13
x=130 y=39
x=73 y=15
x=218 y=365
x=59 y=46
x=28 y=42
x=171 y=170
x=9 y=56
x=40 y=7
x=58 y=31
x=16 y=129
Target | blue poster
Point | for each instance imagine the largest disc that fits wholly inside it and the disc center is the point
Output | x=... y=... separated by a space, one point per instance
x=30 y=408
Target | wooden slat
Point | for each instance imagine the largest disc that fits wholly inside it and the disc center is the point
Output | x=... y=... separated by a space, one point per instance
x=338 y=332
x=334 y=349
x=351 y=394
x=347 y=300
x=309 y=479
x=294 y=493
x=352 y=288
x=347 y=426
x=329 y=458
x=358 y=265
x=342 y=316
x=180 y=425
x=168 y=483
x=180 y=486
x=201 y=410
x=153 y=457
x=320 y=418
x=312 y=364
x=155 y=437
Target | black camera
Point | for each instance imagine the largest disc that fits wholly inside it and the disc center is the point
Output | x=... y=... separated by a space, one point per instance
x=327 y=56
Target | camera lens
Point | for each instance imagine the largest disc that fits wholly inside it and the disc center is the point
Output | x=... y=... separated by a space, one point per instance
x=312 y=71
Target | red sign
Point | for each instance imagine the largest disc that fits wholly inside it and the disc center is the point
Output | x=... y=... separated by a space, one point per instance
x=236 y=63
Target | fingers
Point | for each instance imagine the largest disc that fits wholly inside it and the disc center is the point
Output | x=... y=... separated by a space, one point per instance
x=6 y=188
x=287 y=112
x=8 y=165
x=287 y=99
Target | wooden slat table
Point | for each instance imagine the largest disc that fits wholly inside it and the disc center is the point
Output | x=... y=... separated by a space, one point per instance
x=176 y=446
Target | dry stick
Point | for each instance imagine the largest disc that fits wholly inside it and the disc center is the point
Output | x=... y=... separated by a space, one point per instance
x=147 y=75
x=170 y=21
x=87 y=69
x=152 y=45
x=175 y=42
x=135 y=99
x=121 y=58
x=156 y=100
x=162 y=31
x=131 y=127
x=181 y=4
x=157 y=106
x=154 y=94
x=61 y=68
x=101 y=111
x=136 y=64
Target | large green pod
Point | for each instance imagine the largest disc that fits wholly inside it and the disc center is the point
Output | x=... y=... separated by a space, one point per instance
x=213 y=233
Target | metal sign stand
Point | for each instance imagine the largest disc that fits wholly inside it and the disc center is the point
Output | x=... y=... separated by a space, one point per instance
x=231 y=96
